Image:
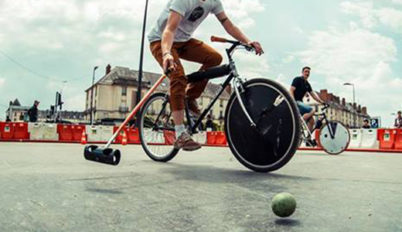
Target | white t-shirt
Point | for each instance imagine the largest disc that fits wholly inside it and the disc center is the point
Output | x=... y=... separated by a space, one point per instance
x=193 y=12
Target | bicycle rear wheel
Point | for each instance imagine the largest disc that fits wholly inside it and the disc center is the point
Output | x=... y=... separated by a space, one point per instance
x=275 y=139
x=339 y=143
x=156 y=130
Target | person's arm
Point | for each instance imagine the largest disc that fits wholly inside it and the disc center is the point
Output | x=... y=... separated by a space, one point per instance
x=168 y=39
x=234 y=31
x=292 y=91
x=315 y=96
x=293 y=87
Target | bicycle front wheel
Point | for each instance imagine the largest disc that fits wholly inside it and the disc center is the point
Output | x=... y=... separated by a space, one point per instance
x=274 y=140
x=338 y=142
x=157 y=129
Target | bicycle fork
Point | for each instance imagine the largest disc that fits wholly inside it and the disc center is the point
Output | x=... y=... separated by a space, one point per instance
x=237 y=83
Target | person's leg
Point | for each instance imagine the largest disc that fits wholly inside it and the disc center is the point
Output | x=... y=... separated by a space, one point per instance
x=197 y=51
x=311 y=123
x=178 y=83
x=308 y=113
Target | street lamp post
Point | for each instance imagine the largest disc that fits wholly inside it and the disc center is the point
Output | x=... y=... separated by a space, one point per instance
x=92 y=93
x=353 y=86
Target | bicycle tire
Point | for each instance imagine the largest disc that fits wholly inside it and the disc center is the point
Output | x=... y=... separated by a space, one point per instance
x=259 y=149
x=342 y=138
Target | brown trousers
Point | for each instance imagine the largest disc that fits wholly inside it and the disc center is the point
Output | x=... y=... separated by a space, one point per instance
x=192 y=50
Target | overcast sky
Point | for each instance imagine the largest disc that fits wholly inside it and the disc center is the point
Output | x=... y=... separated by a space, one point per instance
x=44 y=43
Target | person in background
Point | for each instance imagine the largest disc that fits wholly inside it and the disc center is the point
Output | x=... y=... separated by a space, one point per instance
x=299 y=88
x=33 y=112
x=366 y=124
x=398 y=120
x=8 y=119
x=209 y=125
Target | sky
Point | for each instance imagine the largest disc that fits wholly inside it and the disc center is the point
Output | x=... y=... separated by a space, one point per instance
x=53 y=45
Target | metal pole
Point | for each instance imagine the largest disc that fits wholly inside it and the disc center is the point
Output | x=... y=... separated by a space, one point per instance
x=92 y=93
x=141 y=58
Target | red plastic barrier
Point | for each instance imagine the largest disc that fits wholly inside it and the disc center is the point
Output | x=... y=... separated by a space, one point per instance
x=398 y=139
x=65 y=132
x=211 y=138
x=220 y=138
x=77 y=132
x=386 y=138
x=170 y=137
x=7 y=130
x=317 y=138
x=20 y=130
x=133 y=135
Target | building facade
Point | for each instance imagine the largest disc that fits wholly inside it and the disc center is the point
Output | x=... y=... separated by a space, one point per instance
x=350 y=114
x=114 y=95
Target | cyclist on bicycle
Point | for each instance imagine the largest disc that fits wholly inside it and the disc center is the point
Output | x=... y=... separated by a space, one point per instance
x=301 y=86
x=170 y=40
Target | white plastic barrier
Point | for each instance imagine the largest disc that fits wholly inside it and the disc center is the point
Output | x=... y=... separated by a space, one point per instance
x=43 y=131
x=98 y=133
x=355 y=138
x=369 y=139
x=200 y=137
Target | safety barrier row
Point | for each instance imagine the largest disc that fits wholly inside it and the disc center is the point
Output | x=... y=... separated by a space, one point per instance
x=68 y=133
x=372 y=140
x=376 y=139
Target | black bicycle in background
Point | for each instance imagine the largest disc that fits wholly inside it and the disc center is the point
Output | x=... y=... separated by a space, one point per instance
x=262 y=123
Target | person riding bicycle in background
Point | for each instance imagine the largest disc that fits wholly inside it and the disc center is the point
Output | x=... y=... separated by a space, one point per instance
x=171 y=40
x=301 y=86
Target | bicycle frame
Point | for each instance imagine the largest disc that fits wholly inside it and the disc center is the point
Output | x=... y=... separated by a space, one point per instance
x=324 y=120
x=237 y=84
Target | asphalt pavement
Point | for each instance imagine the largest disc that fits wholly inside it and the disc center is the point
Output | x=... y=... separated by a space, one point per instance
x=51 y=187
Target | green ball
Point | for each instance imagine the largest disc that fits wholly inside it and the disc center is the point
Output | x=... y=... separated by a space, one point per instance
x=283 y=204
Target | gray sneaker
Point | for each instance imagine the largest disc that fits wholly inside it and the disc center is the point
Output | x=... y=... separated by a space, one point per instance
x=186 y=142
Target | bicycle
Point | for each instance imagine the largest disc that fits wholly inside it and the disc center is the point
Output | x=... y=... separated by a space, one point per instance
x=261 y=118
x=334 y=137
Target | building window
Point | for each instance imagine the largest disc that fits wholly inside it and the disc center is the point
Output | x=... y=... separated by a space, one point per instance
x=221 y=103
x=124 y=91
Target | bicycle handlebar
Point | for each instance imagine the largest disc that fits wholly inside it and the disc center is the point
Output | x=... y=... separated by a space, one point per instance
x=234 y=42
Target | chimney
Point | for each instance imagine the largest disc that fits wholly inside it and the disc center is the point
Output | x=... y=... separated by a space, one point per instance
x=343 y=102
x=324 y=94
x=108 y=69
x=330 y=97
x=364 y=110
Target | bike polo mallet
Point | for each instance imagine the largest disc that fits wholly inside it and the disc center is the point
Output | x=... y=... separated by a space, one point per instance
x=106 y=154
